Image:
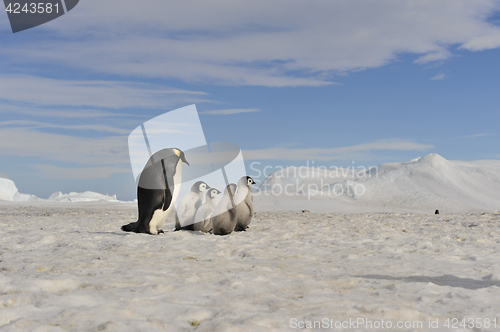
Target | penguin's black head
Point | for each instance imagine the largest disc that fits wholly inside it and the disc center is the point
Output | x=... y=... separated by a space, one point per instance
x=200 y=186
x=250 y=181
x=181 y=155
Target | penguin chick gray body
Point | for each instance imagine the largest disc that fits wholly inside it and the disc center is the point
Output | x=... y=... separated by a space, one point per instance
x=244 y=203
x=157 y=190
x=188 y=205
x=202 y=218
x=224 y=215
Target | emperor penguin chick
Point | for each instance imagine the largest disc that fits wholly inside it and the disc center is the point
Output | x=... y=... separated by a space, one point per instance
x=202 y=218
x=244 y=203
x=224 y=215
x=186 y=209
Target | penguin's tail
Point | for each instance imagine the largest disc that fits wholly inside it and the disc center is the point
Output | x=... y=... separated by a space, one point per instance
x=130 y=227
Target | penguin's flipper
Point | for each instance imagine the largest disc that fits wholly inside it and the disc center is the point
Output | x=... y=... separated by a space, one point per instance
x=205 y=223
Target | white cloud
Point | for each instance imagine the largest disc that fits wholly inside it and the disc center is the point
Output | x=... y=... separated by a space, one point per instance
x=438 y=77
x=231 y=111
x=479 y=43
x=257 y=42
x=37 y=124
x=61 y=173
x=477 y=135
x=331 y=153
x=79 y=150
x=41 y=91
x=69 y=113
x=438 y=55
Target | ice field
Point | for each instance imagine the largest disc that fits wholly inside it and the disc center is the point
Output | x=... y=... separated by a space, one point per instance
x=379 y=258
x=70 y=268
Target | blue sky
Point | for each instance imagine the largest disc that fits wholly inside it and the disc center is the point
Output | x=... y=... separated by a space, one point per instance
x=334 y=82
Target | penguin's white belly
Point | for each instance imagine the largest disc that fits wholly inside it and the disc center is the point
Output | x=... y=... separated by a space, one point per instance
x=159 y=216
x=177 y=183
x=158 y=220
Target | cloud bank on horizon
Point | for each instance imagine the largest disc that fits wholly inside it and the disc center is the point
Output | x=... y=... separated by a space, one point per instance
x=73 y=88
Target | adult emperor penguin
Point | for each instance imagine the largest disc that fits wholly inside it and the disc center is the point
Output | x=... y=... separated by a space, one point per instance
x=224 y=215
x=188 y=205
x=157 y=190
x=244 y=203
x=203 y=217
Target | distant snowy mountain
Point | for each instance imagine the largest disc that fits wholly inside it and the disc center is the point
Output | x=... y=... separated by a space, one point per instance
x=421 y=184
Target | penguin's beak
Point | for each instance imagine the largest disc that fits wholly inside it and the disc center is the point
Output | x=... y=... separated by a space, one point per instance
x=184 y=160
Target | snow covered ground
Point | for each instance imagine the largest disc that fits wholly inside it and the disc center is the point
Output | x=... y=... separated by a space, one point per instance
x=355 y=262
x=68 y=267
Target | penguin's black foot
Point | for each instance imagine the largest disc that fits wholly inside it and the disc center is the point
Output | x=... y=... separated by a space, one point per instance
x=160 y=231
x=130 y=227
